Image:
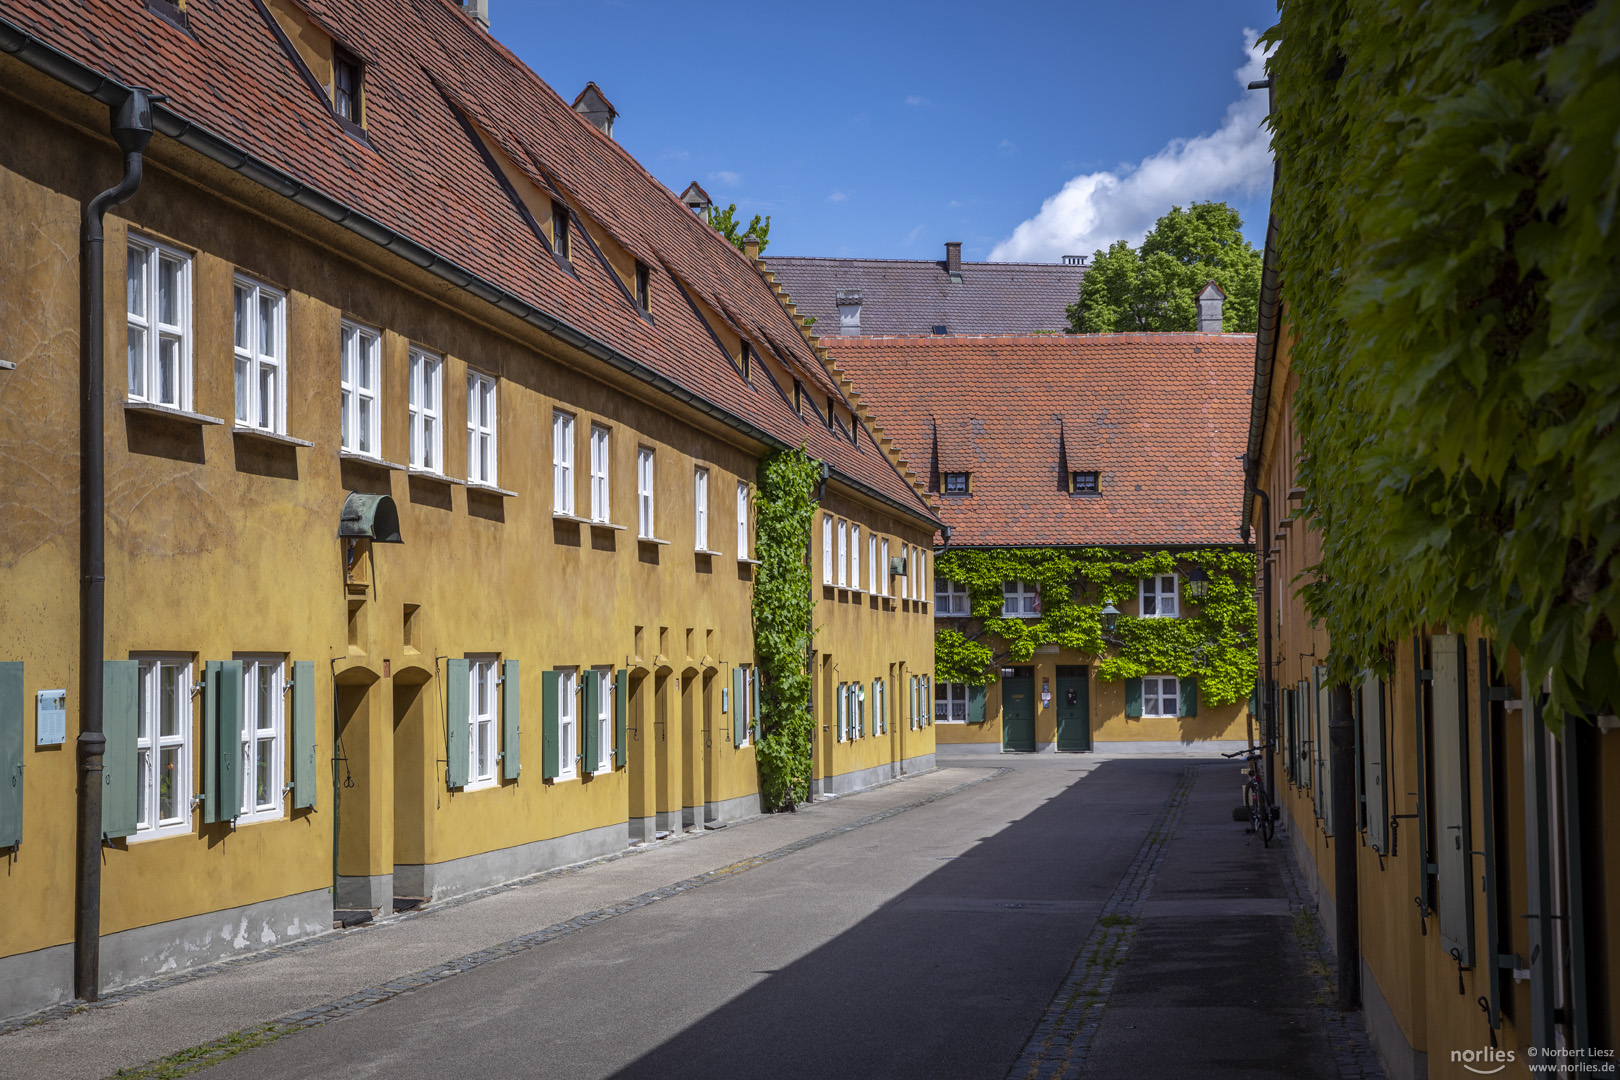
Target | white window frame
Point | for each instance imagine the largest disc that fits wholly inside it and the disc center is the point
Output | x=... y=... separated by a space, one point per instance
x=426 y=407
x=905 y=578
x=742 y=519
x=645 y=492
x=562 y=463
x=854 y=556
x=883 y=574
x=843 y=712
x=483 y=424
x=826 y=549
x=1152 y=592
x=843 y=554
x=1020 y=600
x=951 y=598
x=919 y=572
x=150 y=743
x=259 y=358
x=483 y=722
x=601 y=465
x=746 y=705
x=256 y=733
x=700 y=508
x=880 y=706
x=359 y=377
x=1166 y=693
x=950 y=703
x=872 y=574
x=148 y=332
x=604 y=718
x=568 y=695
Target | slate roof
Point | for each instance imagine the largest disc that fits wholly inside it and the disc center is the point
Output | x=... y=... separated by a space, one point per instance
x=908 y=296
x=418 y=171
x=1161 y=417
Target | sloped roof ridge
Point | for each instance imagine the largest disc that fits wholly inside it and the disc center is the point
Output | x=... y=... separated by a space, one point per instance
x=1030 y=339
x=917 y=262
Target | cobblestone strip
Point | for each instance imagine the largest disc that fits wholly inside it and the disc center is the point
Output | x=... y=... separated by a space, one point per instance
x=1347 y=1035
x=1062 y=1039
x=211 y=1052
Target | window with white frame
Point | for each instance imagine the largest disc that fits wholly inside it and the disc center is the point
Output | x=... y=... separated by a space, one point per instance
x=880 y=706
x=426 y=399
x=871 y=563
x=482 y=703
x=883 y=574
x=260 y=340
x=567 y=727
x=950 y=597
x=263 y=751
x=700 y=509
x=919 y=572
x=826 y=549
x=1020 y=600
x=158 y=289
x=745 y=705
x=601 y=507
x=163 y=748
x=358 y=378
x=950 y=703
x=843 y=712
x=604 y=718
x=562 y=463
x=644 y=493
x=1161 y=696
x=742 y=519
x=854 y=556
x=482 y=412
x=843 y=553
x=905 y=575
x=1159 y=597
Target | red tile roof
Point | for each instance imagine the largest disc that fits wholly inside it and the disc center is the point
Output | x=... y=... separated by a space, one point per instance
x=1161 y=417
x=419 y=172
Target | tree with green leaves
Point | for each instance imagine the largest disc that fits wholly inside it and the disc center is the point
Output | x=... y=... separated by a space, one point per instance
x=1155 y=287
x=725 y=223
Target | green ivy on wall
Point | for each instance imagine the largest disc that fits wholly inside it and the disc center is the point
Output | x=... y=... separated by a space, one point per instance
x=784 y=507
x=1213 y=639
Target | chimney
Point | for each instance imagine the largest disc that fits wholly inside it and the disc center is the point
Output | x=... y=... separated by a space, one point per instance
x=849 y=312
x=953 y=256
x=594 y=106
x=478 y=9
x=1210 y=298
x=1074 y=260
x=697 y=200
x=751 y=246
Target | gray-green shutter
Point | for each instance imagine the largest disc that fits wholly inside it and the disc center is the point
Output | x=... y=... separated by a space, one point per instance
x=13 y=711
x=456 y=724
x=621 y=712
x=1324 y=751
x=228 y=740
x=911 y=707
x=928 y=701
x=303 y=733
x=120 y=723
x=1372 y=762
x=753 y=703
x=590 y=744
x=975 y=704
x=878 y=727
x=739 y=699
x=1133 y=697
x=210 y=747
x=1452 y=835
x=1306 y=707
x=511 y=721
x=550 y=681
x=1189 y=696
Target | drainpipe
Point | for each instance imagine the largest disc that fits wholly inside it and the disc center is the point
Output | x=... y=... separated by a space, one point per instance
x=1346 y=897
x=1266 y=697
x=132 y=129
x=946 y=530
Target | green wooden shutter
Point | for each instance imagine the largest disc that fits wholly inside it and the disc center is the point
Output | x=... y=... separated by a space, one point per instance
x=456 y=724
x=303 y=733
x=739 y=702
x=1373 y=778
x=210 y=747
x=911 y=703
x=228 y=741
x=13 y=711
x=1133 y=697
x=753 y=704
x=1307 y=729
x=928 y=701
x=1324 y=750
x=975 y=704
x=550 y=681
x=1453 y=841
x=621 y=712
x=1189 y=696
x=590 y=748
x=511 y=721
x=120 y=722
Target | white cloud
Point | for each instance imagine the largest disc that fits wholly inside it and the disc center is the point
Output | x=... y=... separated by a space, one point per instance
x=837 y=196
x=1006 y=148
x=911 y=236
x=678 y=155
x=726 y=177
x=916 y=100
x=1095 y=209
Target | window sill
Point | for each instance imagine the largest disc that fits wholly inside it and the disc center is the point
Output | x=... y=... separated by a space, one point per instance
x=750 y=562
x=651 y=540
x=491 y=489
x=7 y=365
x=367 y=459
x=607 y=525
x=436 y=477
x=706 y=551
x=172 y=413
x=262 y=435
x=558 y=515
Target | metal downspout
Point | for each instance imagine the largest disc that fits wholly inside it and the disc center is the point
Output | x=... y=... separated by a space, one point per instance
x=132 y=128
x=1346 y=895
x=1268 y=693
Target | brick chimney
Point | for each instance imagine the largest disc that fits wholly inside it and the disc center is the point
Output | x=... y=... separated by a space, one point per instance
x=953 y=256
x=1210 y=298
x=849 y=312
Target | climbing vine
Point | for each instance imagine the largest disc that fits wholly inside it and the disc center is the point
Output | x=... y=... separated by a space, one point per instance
x=1450 y=255
x=784 y=506
x=1213 y=639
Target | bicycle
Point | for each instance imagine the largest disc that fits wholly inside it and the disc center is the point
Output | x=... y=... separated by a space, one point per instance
x=1257 y=808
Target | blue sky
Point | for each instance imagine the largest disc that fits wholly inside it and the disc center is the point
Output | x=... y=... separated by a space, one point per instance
x=884 y=129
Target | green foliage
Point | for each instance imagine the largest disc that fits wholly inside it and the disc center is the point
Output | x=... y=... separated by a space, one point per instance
x=1213 y=638
x=1156 y=287
x=784 y=506
x=725 y=223
x=1451 y=258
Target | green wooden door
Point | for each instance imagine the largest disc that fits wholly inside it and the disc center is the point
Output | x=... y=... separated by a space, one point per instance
x=1018 y=708
x=1073 y=709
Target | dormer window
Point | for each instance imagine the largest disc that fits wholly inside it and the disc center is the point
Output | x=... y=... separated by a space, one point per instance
x=561 y=235
x=747 y=360
x=956 y=483
x=1083 y=483
x=643 y=287
x=346 y=100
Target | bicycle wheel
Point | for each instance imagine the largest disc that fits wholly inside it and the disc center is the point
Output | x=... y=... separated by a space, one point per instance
x=1267 y=824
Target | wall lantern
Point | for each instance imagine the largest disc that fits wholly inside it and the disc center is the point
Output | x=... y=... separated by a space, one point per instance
x=1197 y=583
x=1110 y=617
